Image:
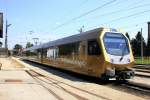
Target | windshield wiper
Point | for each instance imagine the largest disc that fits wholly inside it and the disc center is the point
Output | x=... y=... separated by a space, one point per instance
x=123 y=53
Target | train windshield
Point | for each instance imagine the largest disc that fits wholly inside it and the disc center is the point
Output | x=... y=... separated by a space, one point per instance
x=116 y=44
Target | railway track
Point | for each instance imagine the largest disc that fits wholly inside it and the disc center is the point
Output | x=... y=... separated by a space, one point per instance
x=136 y=86
x=131 y=87
x=146 y=67
x=48 y=82
x=126 y=86
x=142 y=74
x=142 y=70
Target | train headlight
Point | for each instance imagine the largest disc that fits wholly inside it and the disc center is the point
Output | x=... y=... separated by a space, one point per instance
x=128 y=60
x=111 y=60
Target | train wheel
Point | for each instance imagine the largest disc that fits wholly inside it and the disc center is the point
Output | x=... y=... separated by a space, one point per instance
x=104 y=78
x=119 y=79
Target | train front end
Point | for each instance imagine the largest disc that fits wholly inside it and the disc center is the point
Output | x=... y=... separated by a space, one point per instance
x=118 y=55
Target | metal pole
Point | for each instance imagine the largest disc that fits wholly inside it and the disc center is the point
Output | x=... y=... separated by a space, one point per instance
x=141 y=46
x=36 y=40
x=6 y=36
x=6 y=46
x=81 y=29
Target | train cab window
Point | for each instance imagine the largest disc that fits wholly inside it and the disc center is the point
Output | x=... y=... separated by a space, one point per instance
x=93 y=48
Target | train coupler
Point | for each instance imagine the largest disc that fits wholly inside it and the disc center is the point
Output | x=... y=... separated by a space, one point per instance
x=125 y=74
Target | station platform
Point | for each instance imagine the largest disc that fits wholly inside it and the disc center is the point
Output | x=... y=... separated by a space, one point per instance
x=17 y=84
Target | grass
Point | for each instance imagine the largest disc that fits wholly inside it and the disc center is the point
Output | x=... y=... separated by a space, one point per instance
x=146 y=60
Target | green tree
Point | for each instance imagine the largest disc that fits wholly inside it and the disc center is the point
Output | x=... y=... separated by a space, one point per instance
x=17 y=49
x=136 y=44
x=18 y=46
x=29 y=44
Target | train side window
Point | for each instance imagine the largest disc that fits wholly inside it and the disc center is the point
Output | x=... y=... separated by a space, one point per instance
x=69 y=49
x=93 y=48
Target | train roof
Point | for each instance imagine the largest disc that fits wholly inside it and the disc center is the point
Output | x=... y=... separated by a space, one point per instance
x=92 y=34
x=34 y=47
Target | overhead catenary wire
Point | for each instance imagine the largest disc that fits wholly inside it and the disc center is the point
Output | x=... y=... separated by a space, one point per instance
x=78 y=6
x=124 y=17
x=129 y=26
x=133 y=29
x=120 y=10
x=109 y=13
x=82 y=3
x=84 y=14
x=131 y=8
x=136 y=26
x=138 y=13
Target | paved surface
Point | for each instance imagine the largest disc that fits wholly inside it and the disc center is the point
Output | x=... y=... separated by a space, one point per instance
x=16 y=84
x=10 y=64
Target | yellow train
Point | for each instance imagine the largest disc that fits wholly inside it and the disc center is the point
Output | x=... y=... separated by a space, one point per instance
x=102 y=52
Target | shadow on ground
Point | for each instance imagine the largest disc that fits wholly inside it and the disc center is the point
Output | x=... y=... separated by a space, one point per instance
x=69 y=75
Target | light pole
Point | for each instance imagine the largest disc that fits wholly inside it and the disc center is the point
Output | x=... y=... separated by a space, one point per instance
x=81 y=29
x=36 y=40
x=6 y=36
x=28 y=38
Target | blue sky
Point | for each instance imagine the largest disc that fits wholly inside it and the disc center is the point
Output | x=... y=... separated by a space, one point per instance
x=43 y=16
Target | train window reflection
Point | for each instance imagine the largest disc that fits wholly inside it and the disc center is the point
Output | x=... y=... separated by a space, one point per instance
x=116 y=44
x=69 y=49
x=93 y=48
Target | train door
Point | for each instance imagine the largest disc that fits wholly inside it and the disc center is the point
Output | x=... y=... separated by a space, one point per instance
x=94 y=57
x=83 y=48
